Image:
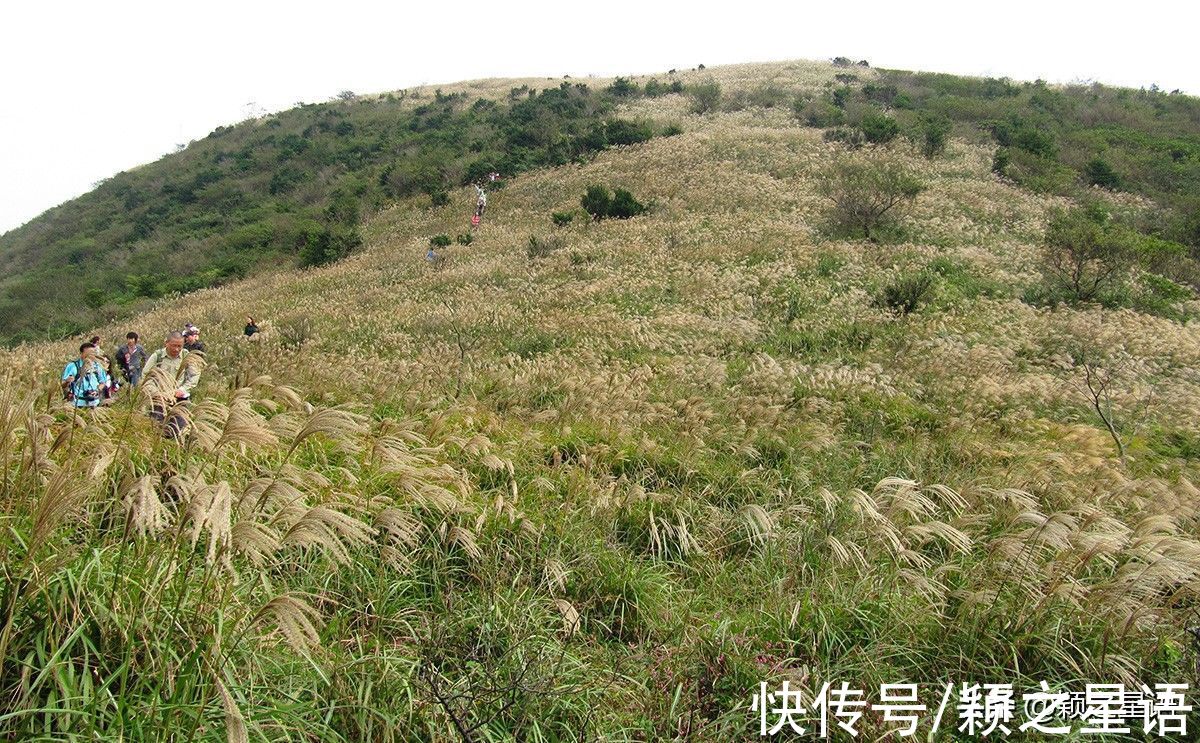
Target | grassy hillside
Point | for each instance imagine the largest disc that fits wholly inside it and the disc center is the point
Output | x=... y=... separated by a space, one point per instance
x=597 y=481
x=288 y=189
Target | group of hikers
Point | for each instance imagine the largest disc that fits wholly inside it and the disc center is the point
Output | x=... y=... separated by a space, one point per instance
x=94 y=379
x=480 y=205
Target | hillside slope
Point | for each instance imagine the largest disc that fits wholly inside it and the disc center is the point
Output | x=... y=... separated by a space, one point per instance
x=602 y=490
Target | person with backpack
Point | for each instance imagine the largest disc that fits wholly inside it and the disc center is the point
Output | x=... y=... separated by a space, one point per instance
x=191 y=339
x=109 y=391
x=131 y=357
x=169 y=377
x=480 y=200
x=84 y=379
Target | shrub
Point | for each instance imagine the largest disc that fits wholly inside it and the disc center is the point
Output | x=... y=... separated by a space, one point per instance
x=878 y=128
x=562 y=219
x=1001 y=160
x=620 y=131
x=596 y=202
x=819 y=113
x=934 y=130
x=706 y=96
x=438 y=197
x=328 y=245
x=623 y=87
x=672 y=130
x=619 y=205
x=1098 y=172
x=867 y=191
x=440 y=241
x=907 y=293
x=624 y=205
x=465 y=238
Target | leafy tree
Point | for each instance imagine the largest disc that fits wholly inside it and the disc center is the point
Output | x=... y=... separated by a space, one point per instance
x=868 y=189
x=1086 y=253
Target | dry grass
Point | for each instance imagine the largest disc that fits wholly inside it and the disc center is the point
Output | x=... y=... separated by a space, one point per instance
x=680 y=438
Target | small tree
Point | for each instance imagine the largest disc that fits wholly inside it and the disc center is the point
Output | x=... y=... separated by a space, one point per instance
x=1086 y=254
x=866 y=189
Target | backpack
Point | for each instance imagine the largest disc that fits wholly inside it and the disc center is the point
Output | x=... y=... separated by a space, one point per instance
x=69 y=387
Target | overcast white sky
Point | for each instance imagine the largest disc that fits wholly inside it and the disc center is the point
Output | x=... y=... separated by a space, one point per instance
x=88 y=89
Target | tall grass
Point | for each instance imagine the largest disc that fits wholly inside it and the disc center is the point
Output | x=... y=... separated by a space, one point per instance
x=603 y=494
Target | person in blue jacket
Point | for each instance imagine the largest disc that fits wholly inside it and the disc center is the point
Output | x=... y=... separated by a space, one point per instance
x=84 y=379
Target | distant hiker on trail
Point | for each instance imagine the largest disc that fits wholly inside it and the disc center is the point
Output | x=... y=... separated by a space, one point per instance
x=251 y=327
x=431 y=256
x=169 y=377
x=84 y=379
x=480 y=200
x=191 y=339
x=130 y=357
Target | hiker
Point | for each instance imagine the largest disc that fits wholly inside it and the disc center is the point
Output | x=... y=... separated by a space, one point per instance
x=431 y=256
x=191 y=339
x=109 y=390
x=251 y=327
x=84 y=379
x=131 y=357
x=480 y=200
x=171 y=384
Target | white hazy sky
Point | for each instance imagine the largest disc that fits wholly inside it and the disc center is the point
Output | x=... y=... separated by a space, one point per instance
x=88 y=89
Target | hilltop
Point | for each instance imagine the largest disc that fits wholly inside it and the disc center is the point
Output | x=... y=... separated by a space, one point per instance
x=598 y=480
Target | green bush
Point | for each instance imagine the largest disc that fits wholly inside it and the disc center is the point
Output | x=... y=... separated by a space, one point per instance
x=623 y=87
x=440 y=241
x=329 y=245
x=907 y=293
x=465 y=238
x=879 y=128
x=1001 y=160
x=562 y=219
x=1098 y=172
x=934 y=131
x=596 y=202
x=706 y=96
x=818 y=113
x=624 y=205
x=622 y=132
